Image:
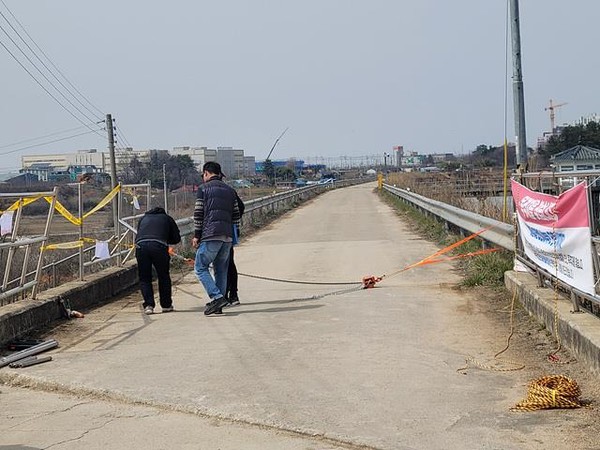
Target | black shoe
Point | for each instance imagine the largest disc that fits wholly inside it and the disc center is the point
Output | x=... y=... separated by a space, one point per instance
x=219 y=311
x=215 y=306
x=232 y=300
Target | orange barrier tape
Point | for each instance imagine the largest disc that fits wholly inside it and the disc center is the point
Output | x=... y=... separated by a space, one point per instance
x=464 y=255
x=431 y=259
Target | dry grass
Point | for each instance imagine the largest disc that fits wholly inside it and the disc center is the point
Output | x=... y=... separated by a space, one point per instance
x=479 y=192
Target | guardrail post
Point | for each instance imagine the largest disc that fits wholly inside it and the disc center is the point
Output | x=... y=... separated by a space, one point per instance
x=80 y=204
x=38 y=270
x=540 y=279
x=575 y=301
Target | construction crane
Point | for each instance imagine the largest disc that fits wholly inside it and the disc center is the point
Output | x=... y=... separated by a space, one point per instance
x=269 y=169
x=277 y=141
x=552 y=107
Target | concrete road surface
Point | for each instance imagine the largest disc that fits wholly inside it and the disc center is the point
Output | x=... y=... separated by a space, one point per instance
x=370 y=368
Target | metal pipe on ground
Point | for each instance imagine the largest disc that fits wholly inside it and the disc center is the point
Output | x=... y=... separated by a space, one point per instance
x=45 y=346
x=30 y=361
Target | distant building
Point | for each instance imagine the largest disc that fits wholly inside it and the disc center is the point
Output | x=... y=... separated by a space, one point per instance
x=542 y=141
x=413 y=160
x=124 y=157
x=573 y=161
x=442 y=157
x=232 y=161
x=199 y=155
x=89 y=161
x=399 y=153
x=298 y=165
x=61 y=161
x=249 y=166
x=57 y=166
x=41 y=171
x=584 y=120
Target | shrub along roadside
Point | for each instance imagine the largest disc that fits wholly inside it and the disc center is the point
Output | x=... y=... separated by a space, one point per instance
x=480 y=270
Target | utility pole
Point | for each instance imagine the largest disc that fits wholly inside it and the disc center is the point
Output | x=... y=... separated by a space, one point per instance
x=518 y=95
x=113 y=168
x=165 y=187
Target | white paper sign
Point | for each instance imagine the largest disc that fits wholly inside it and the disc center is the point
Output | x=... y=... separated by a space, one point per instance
x=6 y=221
x=102 y=251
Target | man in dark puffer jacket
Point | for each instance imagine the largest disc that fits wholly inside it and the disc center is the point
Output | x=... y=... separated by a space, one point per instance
x=215 y=212
x=156 y=231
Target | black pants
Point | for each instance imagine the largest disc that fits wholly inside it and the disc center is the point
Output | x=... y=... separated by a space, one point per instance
x=232 y=278
x=155 y=254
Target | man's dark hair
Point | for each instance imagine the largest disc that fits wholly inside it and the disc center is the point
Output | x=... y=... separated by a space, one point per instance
x=212 y=167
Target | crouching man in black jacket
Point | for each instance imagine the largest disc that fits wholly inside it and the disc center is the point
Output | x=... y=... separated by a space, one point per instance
x=156 y=231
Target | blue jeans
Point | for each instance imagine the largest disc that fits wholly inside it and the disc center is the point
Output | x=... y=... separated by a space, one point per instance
x=217 y=253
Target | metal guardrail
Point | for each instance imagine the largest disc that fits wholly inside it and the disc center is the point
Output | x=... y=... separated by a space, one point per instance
x=186 y=225
x=499 y=233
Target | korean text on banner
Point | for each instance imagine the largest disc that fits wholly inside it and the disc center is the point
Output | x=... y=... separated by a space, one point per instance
x=555 y=232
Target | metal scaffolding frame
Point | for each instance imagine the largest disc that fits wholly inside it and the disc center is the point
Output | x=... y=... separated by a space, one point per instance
x=17 y=243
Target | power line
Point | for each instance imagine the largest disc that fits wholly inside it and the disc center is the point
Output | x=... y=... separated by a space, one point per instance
x=62 y=105
x=50 y=142
x=42 y=62
x=52 y=63
x=43 y=74
x=44 y=87
x=33 y=52
x=119 y=133
x=43 y=137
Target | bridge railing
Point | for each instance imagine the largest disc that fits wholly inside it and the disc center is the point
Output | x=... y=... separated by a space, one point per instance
x=83 y=261
x=502 y=235
x=31 y=248
x=497 y=233
x=272 y=204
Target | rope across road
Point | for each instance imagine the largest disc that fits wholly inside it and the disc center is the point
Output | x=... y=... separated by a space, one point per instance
x=547 y=392
x=314 y=283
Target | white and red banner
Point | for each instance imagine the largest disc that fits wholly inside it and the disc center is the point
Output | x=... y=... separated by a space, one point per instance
x=555 y=232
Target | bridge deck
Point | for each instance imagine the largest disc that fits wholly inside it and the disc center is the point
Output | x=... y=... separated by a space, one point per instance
x=375 y=367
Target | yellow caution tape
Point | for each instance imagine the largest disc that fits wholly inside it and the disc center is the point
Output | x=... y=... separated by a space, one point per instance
x=58 y=206
x=69 y=245
x=105 y=201
x=61 y=208
x=75 y=220
x=22 y=202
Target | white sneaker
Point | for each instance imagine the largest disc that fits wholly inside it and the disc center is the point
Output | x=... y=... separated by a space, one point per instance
x=169 y=309
x=148 y=310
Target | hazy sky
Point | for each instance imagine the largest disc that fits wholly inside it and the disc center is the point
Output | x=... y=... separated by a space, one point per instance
x=348 y=77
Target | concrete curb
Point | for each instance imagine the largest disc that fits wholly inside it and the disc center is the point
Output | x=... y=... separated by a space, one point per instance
x=579 y=332
x=20 y=318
